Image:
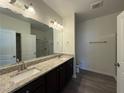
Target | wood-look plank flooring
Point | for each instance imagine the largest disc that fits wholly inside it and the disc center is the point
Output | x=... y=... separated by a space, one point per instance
x=90 y=82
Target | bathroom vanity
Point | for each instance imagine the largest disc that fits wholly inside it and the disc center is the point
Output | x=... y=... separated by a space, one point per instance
x=30 y=56
x=50 y=76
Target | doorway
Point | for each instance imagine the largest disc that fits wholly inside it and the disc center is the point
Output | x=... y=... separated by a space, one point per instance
x=18 y=47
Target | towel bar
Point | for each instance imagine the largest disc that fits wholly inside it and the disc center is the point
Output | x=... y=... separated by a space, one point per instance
x=98 y=42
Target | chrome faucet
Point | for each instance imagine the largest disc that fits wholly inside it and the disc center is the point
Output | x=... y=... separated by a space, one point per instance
x=21 y=66
x=59 y=56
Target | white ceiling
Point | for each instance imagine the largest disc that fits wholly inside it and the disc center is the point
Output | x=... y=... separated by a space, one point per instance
x=82 y=7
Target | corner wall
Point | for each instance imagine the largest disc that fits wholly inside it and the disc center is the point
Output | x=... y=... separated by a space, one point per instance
x=69 y=35
x=97 y=57
x=69 y=38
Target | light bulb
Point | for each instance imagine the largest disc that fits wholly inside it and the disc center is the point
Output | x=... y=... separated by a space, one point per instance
x=12 y=1
x=30 y=9
x=55 y=23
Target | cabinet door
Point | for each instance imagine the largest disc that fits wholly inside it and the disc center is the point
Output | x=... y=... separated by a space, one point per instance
x=40 y=90
x=52 y=81
x=71 y=67
x=36 y=86
x=62 y=78
x=69 y=70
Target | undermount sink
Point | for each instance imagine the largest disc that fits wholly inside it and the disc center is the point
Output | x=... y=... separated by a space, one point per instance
x=63 y=58
x=24 y=75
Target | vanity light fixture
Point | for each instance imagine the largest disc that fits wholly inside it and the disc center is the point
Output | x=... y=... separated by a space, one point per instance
x=29 y=8
x=26 y=6
x=12 y=1
x=55 y=25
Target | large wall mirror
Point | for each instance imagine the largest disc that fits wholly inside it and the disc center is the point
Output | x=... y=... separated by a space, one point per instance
x=25 y=39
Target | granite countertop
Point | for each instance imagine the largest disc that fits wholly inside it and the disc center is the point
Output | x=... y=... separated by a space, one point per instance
x=7 y=86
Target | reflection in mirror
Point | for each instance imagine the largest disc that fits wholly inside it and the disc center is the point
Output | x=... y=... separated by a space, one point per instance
x=23 y=39
x=44 y=40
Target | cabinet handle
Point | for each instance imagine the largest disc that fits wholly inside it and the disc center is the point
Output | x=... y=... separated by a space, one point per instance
x=60 y=68
x=27 y=91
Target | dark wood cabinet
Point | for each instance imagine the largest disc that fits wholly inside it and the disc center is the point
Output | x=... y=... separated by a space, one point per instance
x=36 y=86
x=40 y=90
x=52 y=82
x=69 y=70
x=61 y=76
x=55 y=80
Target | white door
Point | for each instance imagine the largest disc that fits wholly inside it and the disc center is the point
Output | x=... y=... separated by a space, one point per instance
x=120 y=53
x=7 y=47
x=28 y=46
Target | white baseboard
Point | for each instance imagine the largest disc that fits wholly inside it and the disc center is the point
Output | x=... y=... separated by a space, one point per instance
x=74 y=76
x=77 y=69
x=98 y=72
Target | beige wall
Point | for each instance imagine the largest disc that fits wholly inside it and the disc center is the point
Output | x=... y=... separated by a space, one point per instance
x=45 y=13
x=14 y=24
x=97 y=57
x=64 y=40
x=69 y=38
x=69 y=34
